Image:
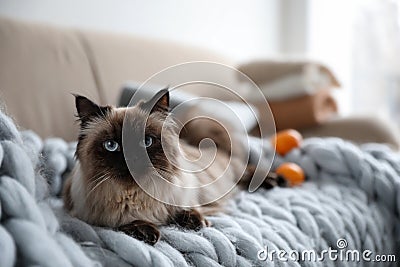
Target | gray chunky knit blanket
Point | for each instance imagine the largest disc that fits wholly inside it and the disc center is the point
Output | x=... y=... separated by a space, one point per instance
x=351 y=194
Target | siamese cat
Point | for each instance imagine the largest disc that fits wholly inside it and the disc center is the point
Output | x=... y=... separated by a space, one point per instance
x=106 y=190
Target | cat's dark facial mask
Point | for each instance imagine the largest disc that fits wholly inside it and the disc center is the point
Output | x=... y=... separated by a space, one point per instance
x=101 y=147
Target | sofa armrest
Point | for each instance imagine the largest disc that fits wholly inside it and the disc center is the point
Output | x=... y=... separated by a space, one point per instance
x=358 y=130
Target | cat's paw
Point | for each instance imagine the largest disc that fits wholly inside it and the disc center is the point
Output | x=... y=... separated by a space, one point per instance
x=142 y=230
x=270 y=181
x=273 y=180
x=190 y=219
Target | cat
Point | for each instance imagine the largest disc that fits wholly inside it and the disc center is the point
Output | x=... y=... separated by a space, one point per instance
x=102 y=190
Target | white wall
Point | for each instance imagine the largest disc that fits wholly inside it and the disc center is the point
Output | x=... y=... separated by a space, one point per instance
x=294 y=27
x=330 y=39
x=240 y=29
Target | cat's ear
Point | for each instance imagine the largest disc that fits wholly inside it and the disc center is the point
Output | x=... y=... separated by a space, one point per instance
x=159 y=102
x=87 y=109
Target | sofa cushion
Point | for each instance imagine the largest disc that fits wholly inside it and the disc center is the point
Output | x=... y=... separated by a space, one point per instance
x=40 y=68
x=119 y=58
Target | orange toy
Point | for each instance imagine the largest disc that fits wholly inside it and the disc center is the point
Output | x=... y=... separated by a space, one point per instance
x=286 y=140
x=292 y=172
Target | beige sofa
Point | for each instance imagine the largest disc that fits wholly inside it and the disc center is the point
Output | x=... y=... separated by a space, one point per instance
x=42 y=65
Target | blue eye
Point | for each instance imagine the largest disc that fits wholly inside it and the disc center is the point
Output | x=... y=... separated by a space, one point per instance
x=111 y=145
x=148 y=141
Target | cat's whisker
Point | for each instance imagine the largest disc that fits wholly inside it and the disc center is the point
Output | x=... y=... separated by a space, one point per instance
x=94 y=188
x=102 y=179
x=98 y=178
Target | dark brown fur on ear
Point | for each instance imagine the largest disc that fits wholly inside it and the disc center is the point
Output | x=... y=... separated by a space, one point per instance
x=87 y=109
x=159 y=102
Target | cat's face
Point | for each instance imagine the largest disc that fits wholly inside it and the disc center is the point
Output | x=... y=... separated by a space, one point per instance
x=100 y=148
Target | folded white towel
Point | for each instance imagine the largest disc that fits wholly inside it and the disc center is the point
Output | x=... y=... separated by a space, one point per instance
x=307 y=82
x=282 y=79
